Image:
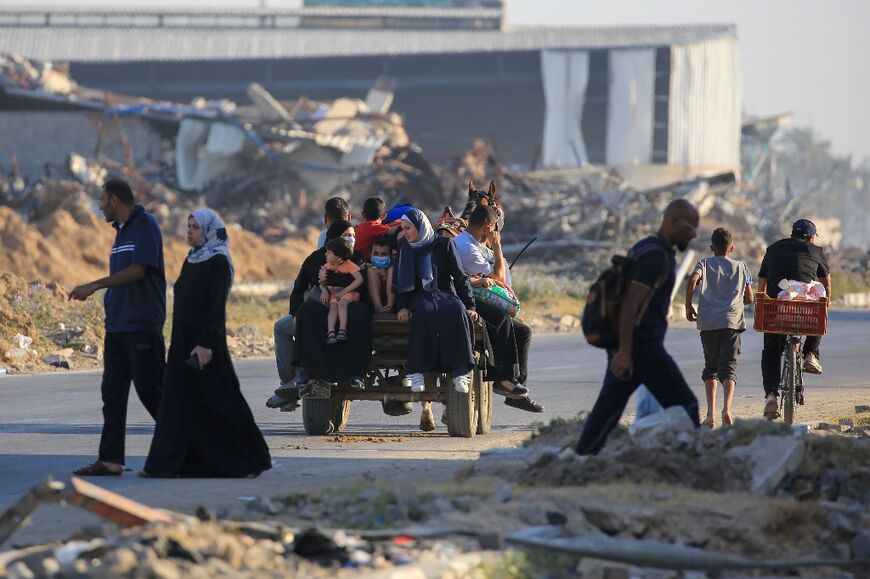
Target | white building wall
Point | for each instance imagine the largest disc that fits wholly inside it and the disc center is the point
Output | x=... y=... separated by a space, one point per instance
x=565 y=75
x=705 y=104
x=630 y=107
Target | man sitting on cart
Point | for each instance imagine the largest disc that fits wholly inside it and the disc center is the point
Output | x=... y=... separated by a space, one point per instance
x=795 y=258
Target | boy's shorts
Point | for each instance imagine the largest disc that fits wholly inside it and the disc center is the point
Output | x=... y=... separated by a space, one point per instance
x=349 y=297
x=721 y=348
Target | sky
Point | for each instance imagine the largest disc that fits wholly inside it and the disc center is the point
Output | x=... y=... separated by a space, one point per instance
x=808 y=57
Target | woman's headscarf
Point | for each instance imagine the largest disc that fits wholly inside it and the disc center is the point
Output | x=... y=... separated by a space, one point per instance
x=337 y=228
x=415 y=259
x=215 y=239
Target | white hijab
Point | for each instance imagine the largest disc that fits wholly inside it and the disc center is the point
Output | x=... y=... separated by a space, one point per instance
x=215 y=239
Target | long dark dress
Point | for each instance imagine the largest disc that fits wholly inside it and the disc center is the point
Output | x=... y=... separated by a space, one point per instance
x=442 y=334
x=205 y=427
x=331 y=362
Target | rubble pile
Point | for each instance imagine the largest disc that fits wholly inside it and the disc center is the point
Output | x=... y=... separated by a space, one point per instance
x=753 y=496
x=268 y=166
x=40 y=328
x=190 y=547
x=756 y=490
x=53 y=230
x=19 y=72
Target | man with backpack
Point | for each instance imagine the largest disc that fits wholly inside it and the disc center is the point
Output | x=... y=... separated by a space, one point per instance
x=640 y=357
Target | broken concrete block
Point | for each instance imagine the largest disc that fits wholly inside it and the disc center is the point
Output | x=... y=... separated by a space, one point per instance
x=56 y=360
x=860 y=409
x=650 y=428
x=771 y=457
x=616 y=519
x=846 y=422
x=509 y=462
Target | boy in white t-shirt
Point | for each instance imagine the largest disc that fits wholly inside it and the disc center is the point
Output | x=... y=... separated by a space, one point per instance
x=726 y=286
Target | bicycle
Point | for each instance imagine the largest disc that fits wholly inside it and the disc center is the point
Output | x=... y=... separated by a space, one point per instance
x=792 y=378
x=795 y=319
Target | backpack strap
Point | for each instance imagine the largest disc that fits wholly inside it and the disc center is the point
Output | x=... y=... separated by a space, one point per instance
x=665 y=271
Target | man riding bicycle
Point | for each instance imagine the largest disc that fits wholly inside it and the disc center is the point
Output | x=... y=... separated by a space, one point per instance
x=795 y=258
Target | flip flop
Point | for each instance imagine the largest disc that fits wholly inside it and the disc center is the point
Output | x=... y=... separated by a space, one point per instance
x=709 y=422
x=96 y=469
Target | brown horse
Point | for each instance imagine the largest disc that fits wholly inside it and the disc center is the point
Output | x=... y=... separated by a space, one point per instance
x=480 y=197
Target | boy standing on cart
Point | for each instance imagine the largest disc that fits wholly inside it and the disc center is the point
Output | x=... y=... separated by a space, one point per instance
x=796 y=258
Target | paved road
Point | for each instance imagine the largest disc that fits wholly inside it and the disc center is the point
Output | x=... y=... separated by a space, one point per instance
x=50 y=424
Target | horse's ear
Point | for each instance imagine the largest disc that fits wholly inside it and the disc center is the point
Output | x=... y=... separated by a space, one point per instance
x=449 y=211
x=471 y=187
x=446 y=213
x=492 y=187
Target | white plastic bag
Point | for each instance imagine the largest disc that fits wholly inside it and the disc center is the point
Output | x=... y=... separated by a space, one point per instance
x=801 y=291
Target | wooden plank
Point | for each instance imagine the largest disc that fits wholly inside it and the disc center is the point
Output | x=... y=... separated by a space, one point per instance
x=112 y=506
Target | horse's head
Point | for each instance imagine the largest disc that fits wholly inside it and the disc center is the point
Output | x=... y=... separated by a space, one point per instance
x=480 y=197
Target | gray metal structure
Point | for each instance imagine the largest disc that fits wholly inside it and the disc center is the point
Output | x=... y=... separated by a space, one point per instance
x=452 y=83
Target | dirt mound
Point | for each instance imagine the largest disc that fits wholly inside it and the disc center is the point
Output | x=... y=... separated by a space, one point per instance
x=71 y=245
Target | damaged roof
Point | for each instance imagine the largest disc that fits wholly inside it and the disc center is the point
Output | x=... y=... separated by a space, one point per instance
x=109 y=44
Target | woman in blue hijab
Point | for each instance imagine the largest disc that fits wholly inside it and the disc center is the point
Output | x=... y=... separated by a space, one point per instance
x=205 y=427
x=433 y=294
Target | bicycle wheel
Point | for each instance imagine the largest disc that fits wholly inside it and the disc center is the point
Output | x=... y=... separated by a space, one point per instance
x=789 y=383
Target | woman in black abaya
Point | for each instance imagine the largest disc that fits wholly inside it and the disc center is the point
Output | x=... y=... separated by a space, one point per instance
x=204 y=427
x=433 y=294
x=345 y=360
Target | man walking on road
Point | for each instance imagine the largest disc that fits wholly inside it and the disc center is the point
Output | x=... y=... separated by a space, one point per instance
x=135 y=304
x=641 y=357
x=796 y=258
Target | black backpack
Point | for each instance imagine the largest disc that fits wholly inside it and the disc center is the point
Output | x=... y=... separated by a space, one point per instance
x=600 y=321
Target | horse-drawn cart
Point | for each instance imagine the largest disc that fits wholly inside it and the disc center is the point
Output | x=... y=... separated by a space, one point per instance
x=326 y=406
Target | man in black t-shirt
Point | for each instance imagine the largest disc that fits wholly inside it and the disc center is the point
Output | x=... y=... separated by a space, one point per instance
x=799 y=259
x=641 y=357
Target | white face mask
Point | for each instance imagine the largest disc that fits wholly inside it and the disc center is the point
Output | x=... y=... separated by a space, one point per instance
x=350 y=239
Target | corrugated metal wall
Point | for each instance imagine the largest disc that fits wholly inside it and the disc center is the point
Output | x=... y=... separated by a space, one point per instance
x=705 y=104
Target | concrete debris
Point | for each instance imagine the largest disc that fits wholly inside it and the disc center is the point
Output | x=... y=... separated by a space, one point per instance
x=648 y=430
x=17 y=72
x=772 y=458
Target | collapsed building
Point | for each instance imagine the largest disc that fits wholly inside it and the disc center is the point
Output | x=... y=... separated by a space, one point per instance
x=264 y=113
x=663 y=98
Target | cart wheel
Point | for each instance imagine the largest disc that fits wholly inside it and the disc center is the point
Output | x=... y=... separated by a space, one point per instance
x=462 y=417
x=483 y=401
x=316 y=416
x=340 y=414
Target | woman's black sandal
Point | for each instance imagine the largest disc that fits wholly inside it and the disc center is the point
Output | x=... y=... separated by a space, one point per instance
x=330 y=337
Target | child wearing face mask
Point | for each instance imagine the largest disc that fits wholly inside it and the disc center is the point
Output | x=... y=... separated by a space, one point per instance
x=381 y=274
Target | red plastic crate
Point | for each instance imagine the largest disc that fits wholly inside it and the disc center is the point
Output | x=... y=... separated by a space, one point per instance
x=794 y=318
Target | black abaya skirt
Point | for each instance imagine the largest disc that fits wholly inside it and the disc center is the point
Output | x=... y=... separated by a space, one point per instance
x=442 y=334
x=205 y=427
x=333 y=362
